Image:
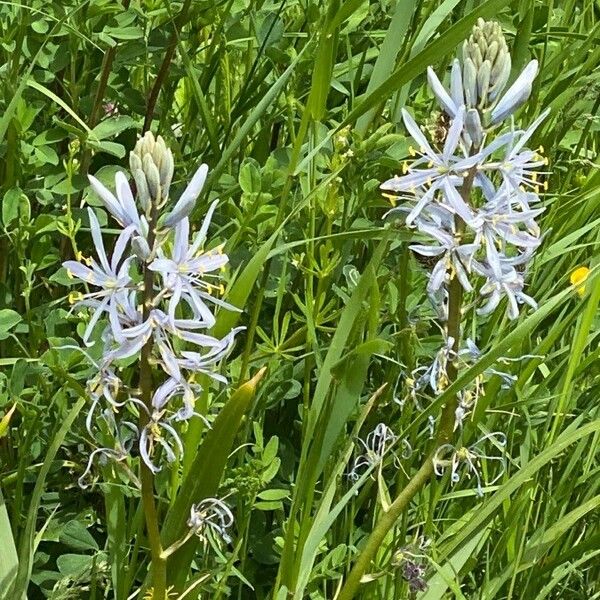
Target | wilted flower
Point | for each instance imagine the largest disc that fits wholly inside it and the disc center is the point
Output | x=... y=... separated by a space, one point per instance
x=376 y=445
x=409 y=559
x=103 y=455
x=211 y=515
x=469 y=459
x=124 y=435
x=414 y=574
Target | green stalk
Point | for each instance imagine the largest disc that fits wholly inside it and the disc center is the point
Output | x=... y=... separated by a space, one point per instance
x=179 y=22
x=159 y=561
x=444 y=435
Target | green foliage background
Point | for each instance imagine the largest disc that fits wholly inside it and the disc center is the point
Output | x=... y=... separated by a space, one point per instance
x=295 y=106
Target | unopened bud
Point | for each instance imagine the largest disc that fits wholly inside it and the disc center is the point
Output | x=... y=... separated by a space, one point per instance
x=487 y=50
x=470 y=82
x=140 y=247
x=141 y=184
x=483 y=81
x=154 y=160
x=152 y=177
x=473 y=127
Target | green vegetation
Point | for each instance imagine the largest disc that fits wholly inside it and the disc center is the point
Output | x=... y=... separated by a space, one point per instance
x=296 y=108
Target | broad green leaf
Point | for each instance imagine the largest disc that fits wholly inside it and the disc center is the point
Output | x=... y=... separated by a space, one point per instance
x=113 y=126
x=75 y=535
x=74 y=565
x=8 y=319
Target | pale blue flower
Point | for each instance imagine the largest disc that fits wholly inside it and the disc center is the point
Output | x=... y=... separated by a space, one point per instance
x=455 y=259
x=122 y=206
x=516 y=95
x=509 y=283
x=188 y=270
x=187 y=200
x=440 y=168
x=112 y=277
x=452 y=102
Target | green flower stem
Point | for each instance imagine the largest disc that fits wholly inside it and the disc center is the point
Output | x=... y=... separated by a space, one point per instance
x=444 y=435
x=94 y=117
x=159 y=561
x=164 y=67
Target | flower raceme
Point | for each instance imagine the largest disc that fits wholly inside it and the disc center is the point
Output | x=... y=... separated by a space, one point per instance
x=492 y=234
x=473 y=204
x=172 y=317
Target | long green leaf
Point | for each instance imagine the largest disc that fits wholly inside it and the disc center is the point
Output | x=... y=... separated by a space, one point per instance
x=9 y=561
x=205 y=475
x=487 y=511
x=26 y=546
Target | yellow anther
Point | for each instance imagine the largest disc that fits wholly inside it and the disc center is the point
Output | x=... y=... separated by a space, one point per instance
x=545 y=185
x=462 y=453
x=391 y=198
x=75 y=297
x=405 y=167
x=411 y=151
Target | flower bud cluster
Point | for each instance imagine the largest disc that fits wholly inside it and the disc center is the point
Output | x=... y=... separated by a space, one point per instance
x=478 y=81
x=486 y=64
x=152 y=167
x=166 y=312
